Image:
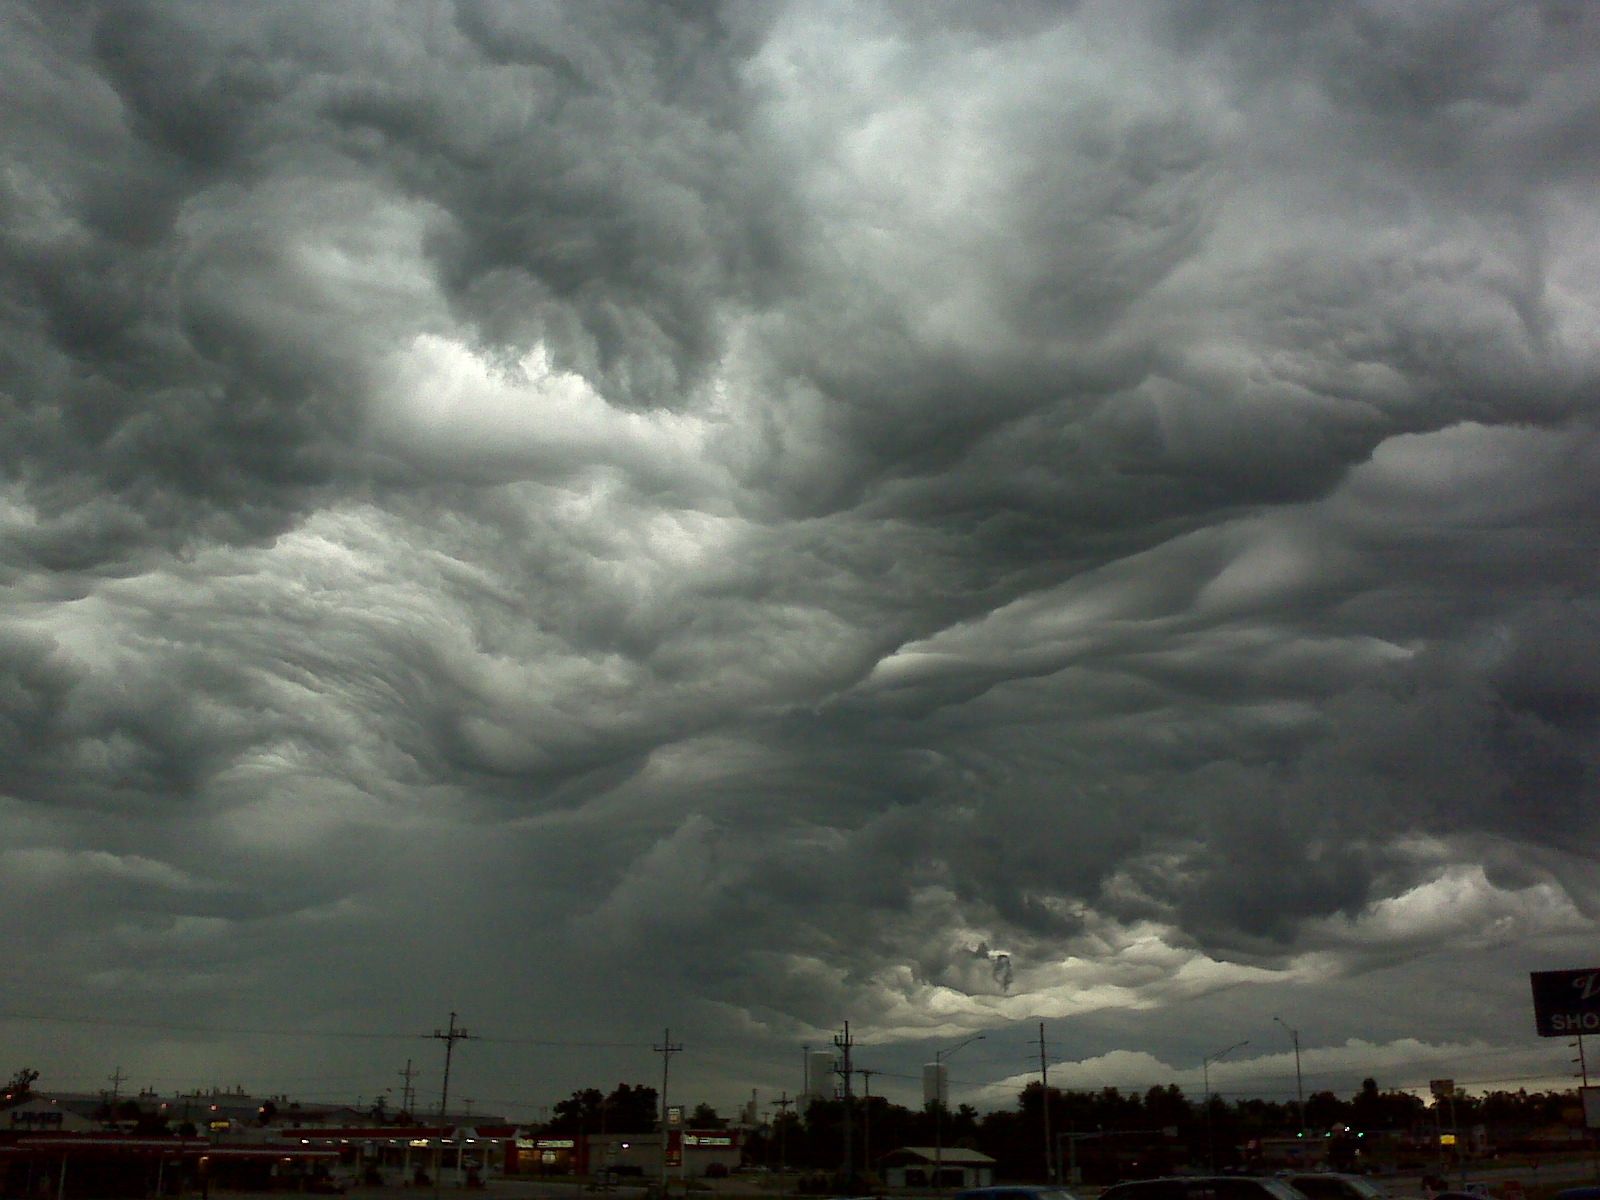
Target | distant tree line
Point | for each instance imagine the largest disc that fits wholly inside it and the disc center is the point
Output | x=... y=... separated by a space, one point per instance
x=1110 y=1132
x=1107 y=1132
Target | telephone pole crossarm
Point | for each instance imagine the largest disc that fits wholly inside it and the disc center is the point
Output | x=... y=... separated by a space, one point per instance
x=845 y=1044
x=449 y=1037
x=666 y=1049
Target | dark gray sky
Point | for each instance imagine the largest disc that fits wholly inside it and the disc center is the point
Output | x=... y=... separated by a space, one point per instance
x=608 y=516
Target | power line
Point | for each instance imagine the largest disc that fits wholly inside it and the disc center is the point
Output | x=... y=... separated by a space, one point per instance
x=169 y=1027
x=344 y=1034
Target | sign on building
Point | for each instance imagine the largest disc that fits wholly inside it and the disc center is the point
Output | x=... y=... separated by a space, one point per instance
x=1591 y=1107
x=1566 y=1002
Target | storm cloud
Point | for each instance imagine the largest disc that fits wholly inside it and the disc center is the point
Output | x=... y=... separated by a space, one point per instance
x=742 y=517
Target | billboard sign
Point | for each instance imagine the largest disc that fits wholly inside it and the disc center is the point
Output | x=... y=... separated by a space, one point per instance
x=1566 y=1002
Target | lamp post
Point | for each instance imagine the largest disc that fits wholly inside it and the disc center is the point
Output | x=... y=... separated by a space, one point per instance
x=939 y=1057
x=1205 y=1067
x=1299 y=1085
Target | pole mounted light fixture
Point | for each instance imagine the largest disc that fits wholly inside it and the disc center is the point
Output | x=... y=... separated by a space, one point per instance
x=1299 y=1083
x=939 y=1057
x=1205 y=1068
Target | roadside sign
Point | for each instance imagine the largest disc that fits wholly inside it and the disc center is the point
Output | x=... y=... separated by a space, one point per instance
x=1442 y=1088
x=1591 y=1107
x=1566 y=1002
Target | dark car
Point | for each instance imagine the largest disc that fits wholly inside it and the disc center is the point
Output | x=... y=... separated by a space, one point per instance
x=1204 y=1187
x=1021 y=1191
x=1329 y=1186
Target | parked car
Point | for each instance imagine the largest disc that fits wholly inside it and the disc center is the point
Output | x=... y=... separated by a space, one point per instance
x=1329 y=1186
x=1016 y=1191
x=1205 y=1187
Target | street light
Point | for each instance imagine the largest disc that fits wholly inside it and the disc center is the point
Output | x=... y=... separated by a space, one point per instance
x=1299 y=1086
x=939 y=1088
x=1205 y=1067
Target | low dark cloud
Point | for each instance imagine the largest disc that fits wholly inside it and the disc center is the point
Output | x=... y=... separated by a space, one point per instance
x=747 y=516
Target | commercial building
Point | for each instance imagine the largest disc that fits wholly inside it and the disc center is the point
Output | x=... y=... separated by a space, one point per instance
x=955 y=1168
x=693 y=1154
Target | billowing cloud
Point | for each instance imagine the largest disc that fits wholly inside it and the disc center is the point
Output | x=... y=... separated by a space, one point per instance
x=601 y=517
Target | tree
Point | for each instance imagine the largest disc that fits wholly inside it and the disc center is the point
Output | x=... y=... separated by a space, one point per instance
x=1167 y=1107
x=628 y=1109
x=578 y=1113
x=705 y=1117
x=21 y=1086
x=1324 y=1110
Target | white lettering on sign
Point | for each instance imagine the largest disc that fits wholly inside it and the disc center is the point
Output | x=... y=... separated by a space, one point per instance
x=1587 y=985
x=1575 y=1022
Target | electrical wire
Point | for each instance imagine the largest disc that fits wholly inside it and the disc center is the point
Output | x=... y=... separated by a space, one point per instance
x=351 y=1035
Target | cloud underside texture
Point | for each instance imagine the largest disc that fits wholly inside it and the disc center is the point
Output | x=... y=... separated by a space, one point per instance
x=928 y=514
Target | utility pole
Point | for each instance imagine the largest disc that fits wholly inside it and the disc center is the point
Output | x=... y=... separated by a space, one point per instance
x=866 y=1074
x=845 y=1044
x=1299 y=1084
x=408 y=1095
x=449 y=1037
x=408 y=1099
x=782 y=1104
x=1455 y=1136
x=1044 y=1104
x=666 y=1049
x=115 y=1080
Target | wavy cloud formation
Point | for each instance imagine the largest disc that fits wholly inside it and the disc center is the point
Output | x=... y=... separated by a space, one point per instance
x=746 y=516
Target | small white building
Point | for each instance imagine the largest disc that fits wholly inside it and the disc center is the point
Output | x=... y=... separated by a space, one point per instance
x=916 y=1166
